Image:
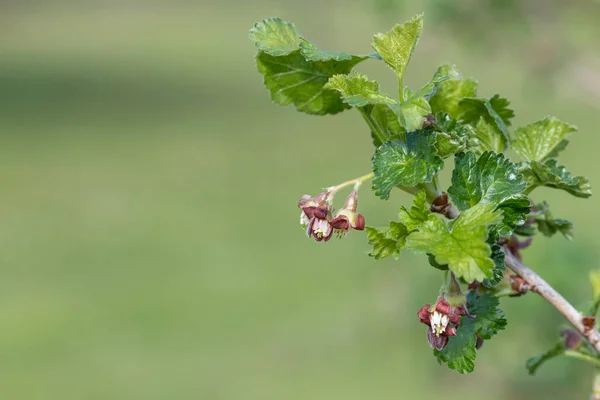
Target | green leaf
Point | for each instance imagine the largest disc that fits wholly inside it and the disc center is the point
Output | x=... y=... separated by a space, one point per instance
x=499 y=266
x=461 y=243
x=495 y=113
x=396 y=46
x=406 y=164
x=450 y=92
x=376 y=108
x=275 y=36
x=460 y=352
x=489 y=318
x=416 y=106
x=487 y=137
x=537 y=141
x=358 y=91
x=452 y=137
x=293 y=79
x=387 y=242
x=548 y=225
x=535 y=362
x=295 y=71
x=556 y=176
x=489 y=178
x=418 y=213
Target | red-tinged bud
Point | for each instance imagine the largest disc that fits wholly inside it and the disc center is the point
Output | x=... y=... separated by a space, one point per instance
x=589 y=323
x=572 y=339
x=428 y=121
x=479 y=343
x=514 y=245
x=347 y=218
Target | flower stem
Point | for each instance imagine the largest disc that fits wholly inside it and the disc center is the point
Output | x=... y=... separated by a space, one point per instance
x=334 y=189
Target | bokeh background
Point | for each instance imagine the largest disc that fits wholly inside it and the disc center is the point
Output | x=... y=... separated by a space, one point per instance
x=150 y=246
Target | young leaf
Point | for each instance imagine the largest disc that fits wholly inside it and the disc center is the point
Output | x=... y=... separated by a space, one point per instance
x=536 y=141
x=396 y=46
x=461 y=243
x=489 y=178
x=460 y=352
x=556 y=176
x=406 y=164
x=489 y=319
x=595 y=281
x=452 y=137
x=275 y=36
x=487 y=137
x=535 y=362
x=358 y=91
x=450 y=92
x=494 y=111
x=295 y=71
x=387 y=242
x=418 y=213
x=416 y=106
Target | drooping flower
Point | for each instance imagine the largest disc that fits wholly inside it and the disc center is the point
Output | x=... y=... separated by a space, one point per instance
x=315 y=216
x=347 y=218
x=440 y=319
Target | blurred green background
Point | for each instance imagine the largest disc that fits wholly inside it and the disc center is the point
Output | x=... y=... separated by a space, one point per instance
x=149 y=229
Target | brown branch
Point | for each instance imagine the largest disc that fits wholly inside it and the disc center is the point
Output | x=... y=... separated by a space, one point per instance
x=549 y=294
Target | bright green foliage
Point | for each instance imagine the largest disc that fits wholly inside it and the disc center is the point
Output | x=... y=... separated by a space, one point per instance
x=489 y=178
x=536 y=141
x=452 y=91
x=487 y=137
x=378 y=110
x=387 y=242
x=413 y=133
x=276 y=37
x=418 y=213
x=494 y=111
x=489 y=318
x=396 y=46
x=358 y=91
x=556 y=176
x=416 y=106
x=452 y=137
x=405 y=163
x=295 y=71
x=460 y=352
x=461 y=243
x=535 y=362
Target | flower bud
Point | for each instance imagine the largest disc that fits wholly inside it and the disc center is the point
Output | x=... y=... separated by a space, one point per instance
x=347 y=218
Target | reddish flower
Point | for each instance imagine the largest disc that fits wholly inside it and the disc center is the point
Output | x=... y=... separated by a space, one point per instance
x=439 y=318
x=315 y=216
x=347 y=217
